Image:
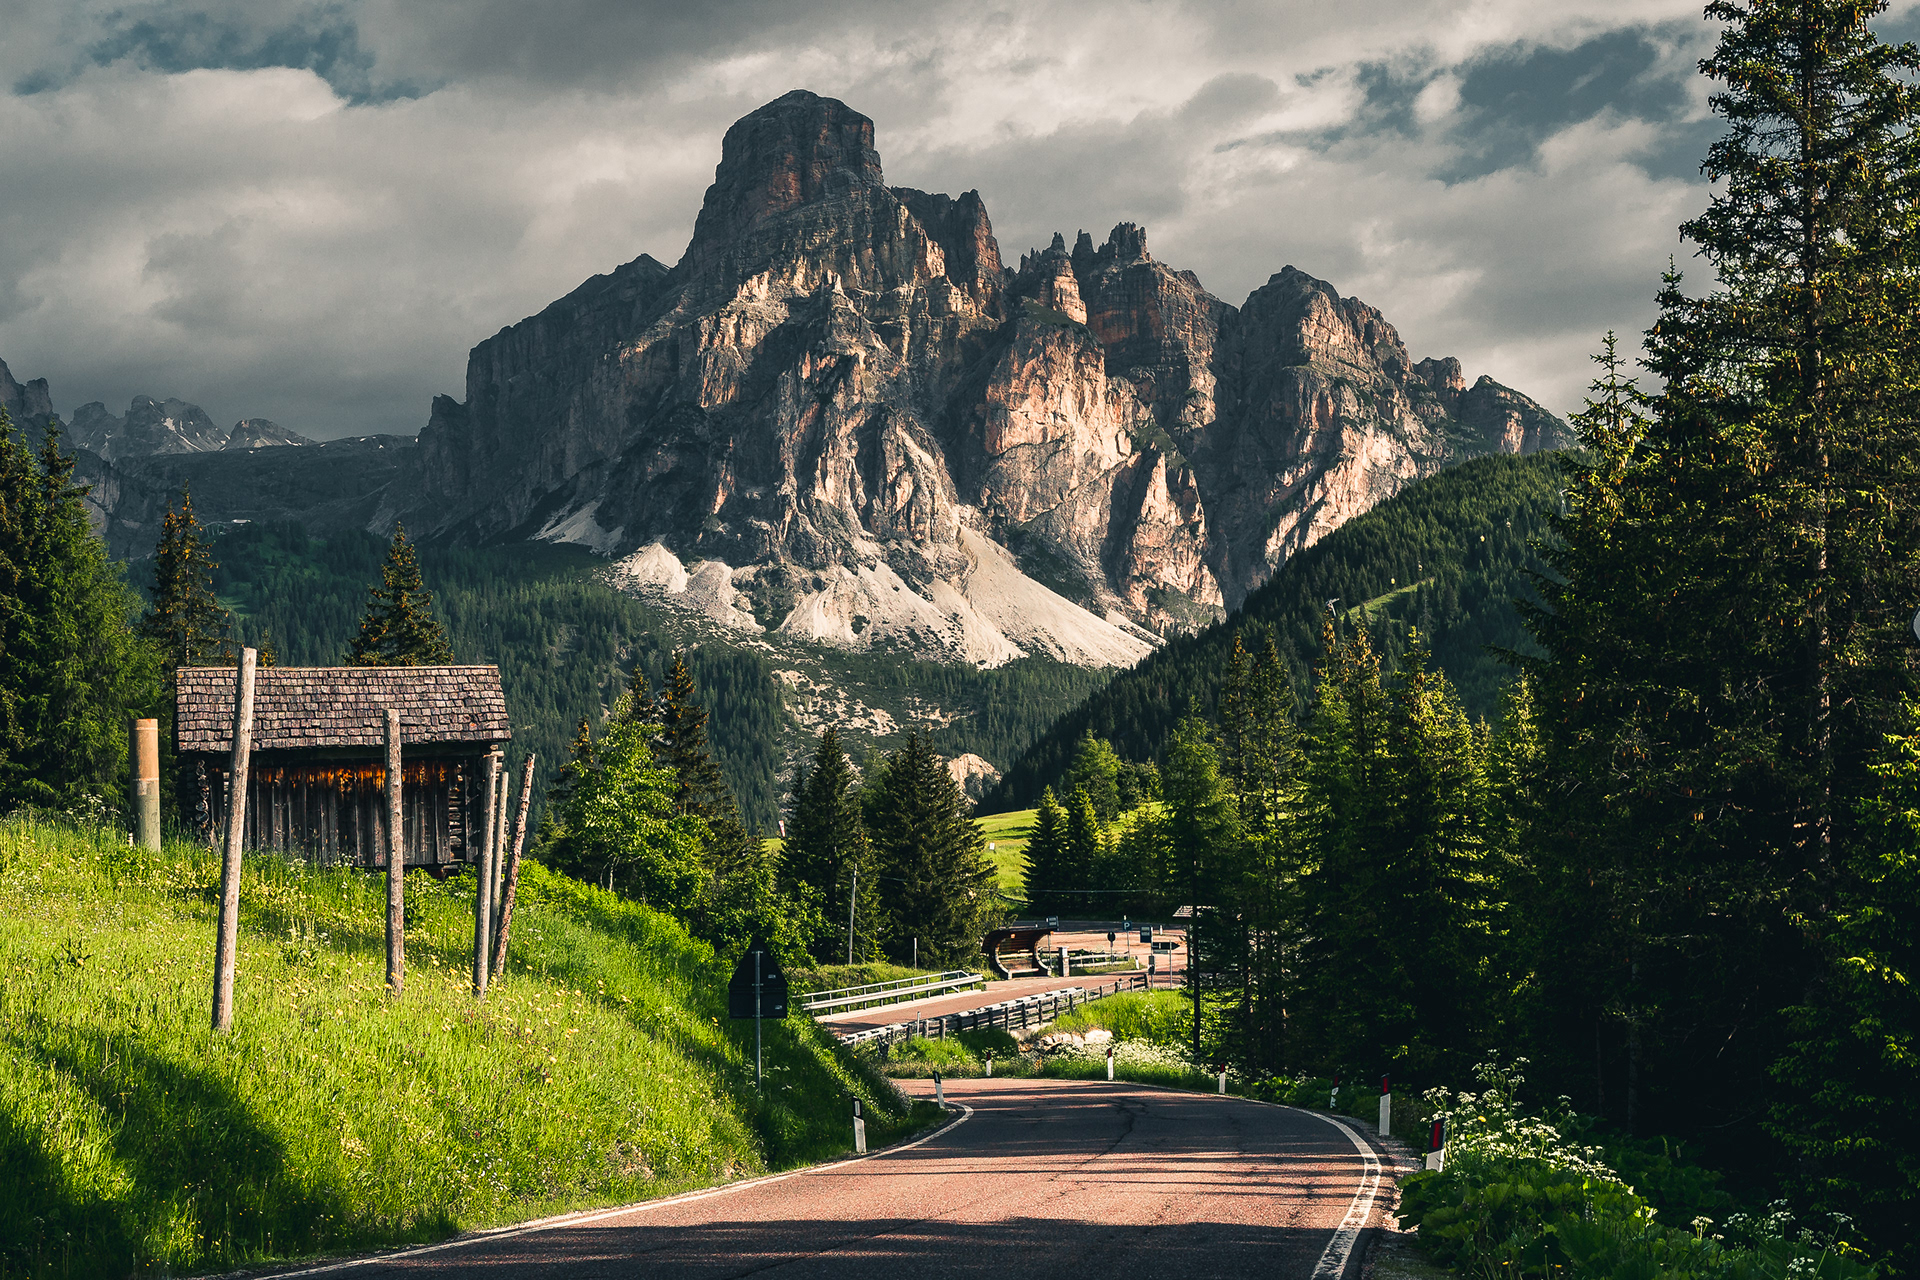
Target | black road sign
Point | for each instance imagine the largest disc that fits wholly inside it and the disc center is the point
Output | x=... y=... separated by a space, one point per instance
x=1146 y=933
x=1053 y=922
x=773 y=985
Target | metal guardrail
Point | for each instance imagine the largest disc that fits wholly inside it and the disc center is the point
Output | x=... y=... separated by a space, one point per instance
x=1009 y=1015
x=891 y=992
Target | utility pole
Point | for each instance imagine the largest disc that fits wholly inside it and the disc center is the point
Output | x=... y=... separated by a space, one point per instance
x=852 y=899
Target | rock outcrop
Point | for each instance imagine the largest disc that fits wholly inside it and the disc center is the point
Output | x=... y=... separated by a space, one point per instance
x=839 y=416
x=28 y=404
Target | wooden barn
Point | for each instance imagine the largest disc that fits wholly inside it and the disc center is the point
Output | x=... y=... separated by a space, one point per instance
x=317 y=778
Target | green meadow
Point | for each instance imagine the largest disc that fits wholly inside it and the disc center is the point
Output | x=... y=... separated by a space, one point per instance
x=601 y=1069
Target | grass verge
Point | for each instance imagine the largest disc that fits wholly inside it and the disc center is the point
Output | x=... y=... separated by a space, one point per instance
x=602 y=1068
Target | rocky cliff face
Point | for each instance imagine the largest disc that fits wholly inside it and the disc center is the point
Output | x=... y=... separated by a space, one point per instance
x=26 y=403
x=840 y=416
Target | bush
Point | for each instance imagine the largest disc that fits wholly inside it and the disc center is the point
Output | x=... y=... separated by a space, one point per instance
x=1518 y=1198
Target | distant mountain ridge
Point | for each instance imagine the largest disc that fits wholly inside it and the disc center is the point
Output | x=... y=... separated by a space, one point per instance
x=839 y=417
x=148 y=427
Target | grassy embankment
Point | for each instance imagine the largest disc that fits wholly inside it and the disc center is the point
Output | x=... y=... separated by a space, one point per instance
x=602 y=1068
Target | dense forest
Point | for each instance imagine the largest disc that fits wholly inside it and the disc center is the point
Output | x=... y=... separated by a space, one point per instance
x=565 y=643
x=1447 y=557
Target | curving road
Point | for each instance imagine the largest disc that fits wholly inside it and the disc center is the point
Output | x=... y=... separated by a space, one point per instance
x=1040 y=1178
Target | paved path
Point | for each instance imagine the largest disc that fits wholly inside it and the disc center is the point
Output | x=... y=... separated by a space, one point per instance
x=1061 y=1179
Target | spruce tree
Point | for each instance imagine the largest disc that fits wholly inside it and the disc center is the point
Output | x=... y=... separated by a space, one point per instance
x=826 y=845
x=938 y=881
x=1046 y=856
x=399 y=629
x=185 y=619
x=1725 y=628
x=739 y=899
x=1096 y=771
x=1085 y=842
x=71 y=665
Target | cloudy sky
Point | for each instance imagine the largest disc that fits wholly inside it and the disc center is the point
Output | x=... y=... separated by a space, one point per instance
x=310 y=211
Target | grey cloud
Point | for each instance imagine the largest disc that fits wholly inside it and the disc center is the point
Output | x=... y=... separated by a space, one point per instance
x=310 y=212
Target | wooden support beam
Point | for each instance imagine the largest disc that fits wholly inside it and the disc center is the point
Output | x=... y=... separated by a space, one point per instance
x=227 y=938
x=396 y=861
x=483 y=878
x=513 y=868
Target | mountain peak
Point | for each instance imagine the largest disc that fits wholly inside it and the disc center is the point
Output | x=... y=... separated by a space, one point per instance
x=796 y=150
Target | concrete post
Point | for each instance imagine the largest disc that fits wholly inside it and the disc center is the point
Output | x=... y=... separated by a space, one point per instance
x=143 y=776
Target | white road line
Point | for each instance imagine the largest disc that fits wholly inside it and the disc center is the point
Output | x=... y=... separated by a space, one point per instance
x=1333 y=1263
x=600 y=1215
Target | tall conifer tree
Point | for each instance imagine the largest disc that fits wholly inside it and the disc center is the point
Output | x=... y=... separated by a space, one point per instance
x=1046 y=856
x=399 y=629
x=938 y=885
x=71 y=665
x=1726 y=630
x=186 y=620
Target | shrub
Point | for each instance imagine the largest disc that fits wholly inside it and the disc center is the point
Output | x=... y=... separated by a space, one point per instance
x=1519 y=1198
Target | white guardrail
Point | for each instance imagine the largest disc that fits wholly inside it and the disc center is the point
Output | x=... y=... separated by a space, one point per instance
x=1012 y=1015
x=883 y=993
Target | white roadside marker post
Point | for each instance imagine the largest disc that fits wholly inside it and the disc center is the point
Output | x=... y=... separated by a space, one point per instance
x=989 y=1064
x=1223 y=1082
x=1437 y=1158
x=1109 y=1062
x=859 y=1130
x=939 y=1089
x=1386 y=1106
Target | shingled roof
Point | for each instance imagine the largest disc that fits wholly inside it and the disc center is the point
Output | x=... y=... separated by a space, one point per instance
x=297 y=707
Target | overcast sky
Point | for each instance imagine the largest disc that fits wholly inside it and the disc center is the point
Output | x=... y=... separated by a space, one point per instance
x=310 y=212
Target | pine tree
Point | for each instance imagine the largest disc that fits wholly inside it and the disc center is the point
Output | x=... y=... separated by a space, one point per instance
x=827 y=854
x=1085 y=842
x=186 y=620
x=1725 y=629
x=1046 y=856
x=399 y=629
x=71 y=664
x=739 y=900
x=938 y=881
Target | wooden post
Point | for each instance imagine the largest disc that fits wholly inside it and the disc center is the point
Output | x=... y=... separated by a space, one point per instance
x=143 y=769
x=483 y=878
x=227 y=938
x=495 y=895
x=513 y=869
x=396 y=862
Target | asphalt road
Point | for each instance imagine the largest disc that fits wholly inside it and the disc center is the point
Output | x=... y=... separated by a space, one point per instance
x=1045 y=1178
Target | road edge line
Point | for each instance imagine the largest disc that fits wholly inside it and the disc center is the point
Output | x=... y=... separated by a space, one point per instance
x=584 y=1216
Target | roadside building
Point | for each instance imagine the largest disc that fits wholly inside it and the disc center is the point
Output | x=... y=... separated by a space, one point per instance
x=317 y=778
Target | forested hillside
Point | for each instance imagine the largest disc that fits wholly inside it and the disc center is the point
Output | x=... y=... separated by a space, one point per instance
x=1448 y=556
x=565 y=641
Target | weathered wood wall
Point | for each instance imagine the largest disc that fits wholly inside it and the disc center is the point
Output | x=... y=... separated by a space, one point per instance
x=335 y=812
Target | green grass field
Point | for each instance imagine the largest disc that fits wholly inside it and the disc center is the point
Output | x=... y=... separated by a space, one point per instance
x=1007 y=833
x=602 y=1068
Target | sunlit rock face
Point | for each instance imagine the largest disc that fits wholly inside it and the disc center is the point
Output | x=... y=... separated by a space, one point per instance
x=840 y=416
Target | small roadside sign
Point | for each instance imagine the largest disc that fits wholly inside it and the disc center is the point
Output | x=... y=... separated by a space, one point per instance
x=757 y=990
x=1146 y=933
x=1053 y=922
x=757 y=975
